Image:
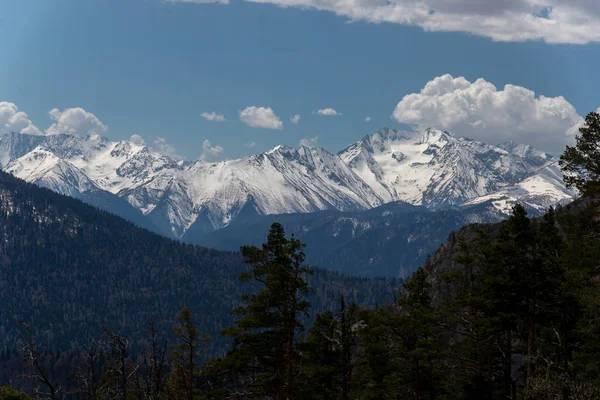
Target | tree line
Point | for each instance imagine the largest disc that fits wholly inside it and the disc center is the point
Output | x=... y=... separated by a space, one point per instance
x=520 y=319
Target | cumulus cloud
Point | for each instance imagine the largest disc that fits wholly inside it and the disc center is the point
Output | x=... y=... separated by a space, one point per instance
x=167 y=149
x=327 y=112
x=481 y=111
x=309 y=142
x=250 y=145
x=367 y=119
x=295 y=119
x=13 y=120
x=75 y=121
x=137 y=139
x=260 y=117
x=553 y=21
x=213 y=116
x=210 y=152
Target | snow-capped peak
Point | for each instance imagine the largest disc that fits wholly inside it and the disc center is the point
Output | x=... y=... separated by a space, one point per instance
x=431 y=168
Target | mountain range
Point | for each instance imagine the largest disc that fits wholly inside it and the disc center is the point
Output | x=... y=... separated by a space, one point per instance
x=189 y=199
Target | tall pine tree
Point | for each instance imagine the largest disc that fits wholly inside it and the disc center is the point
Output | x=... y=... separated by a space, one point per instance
x=262 y=359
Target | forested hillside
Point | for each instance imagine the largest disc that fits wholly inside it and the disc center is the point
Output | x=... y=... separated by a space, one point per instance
x=392 y=240
x=68 y=269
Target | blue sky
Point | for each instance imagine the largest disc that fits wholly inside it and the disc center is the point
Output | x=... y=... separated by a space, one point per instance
x=152 y=67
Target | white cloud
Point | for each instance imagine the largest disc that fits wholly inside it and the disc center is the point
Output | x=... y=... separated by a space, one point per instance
x=295 y=119
x=163 y=147
x=260 y=117
x=481 y=111
x=553 y=21
x=13 y=120
x=213 y=116
x=75 y=121
x=137 y=139
x=250 y=145
x=367 y=119
x=309 y=142
x=210 y=152
x=327 y=112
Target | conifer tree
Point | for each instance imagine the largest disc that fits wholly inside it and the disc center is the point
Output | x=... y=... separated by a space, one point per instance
x=327 y=362
x=581 y=163
x=185 y=357
x=264 y=349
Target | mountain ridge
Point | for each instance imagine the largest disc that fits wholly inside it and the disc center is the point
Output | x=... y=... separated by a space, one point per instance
x=430 y=168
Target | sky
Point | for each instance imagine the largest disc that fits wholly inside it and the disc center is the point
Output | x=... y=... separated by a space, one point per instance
x=213 y=80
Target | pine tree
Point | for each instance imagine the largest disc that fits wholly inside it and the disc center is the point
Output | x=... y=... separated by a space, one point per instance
x=327 y=355
x=185 y=357
x=581 y=163
x=264 y=349
x=401 y=347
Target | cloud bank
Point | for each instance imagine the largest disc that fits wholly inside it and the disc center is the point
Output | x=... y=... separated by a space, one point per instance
x=260 y=117
x=75 y=121
x=481 y=111
x=13 y=120
x=553 y=21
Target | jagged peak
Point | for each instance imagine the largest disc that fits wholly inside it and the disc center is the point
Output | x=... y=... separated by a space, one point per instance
x=431 y=135
x=280 y=148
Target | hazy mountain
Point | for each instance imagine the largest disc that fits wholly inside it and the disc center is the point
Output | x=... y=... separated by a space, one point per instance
x=390 y=240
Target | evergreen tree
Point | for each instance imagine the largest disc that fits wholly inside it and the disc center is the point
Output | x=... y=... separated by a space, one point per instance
x=327 y=355
x=264 y=349
x=185 y=357
x=581 y=163
x=402 y=347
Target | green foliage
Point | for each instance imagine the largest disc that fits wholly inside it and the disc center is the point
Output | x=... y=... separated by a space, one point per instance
x=264 y=350
x=402 y=347
x=581 y=163
x=8 y=393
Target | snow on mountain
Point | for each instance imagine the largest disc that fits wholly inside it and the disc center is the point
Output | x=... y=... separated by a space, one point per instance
x=173 y=196
x=280 y=181
x=44 y=168
x=537 y=192
x=14 y=145
x=432 y=168
x=531 y=155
